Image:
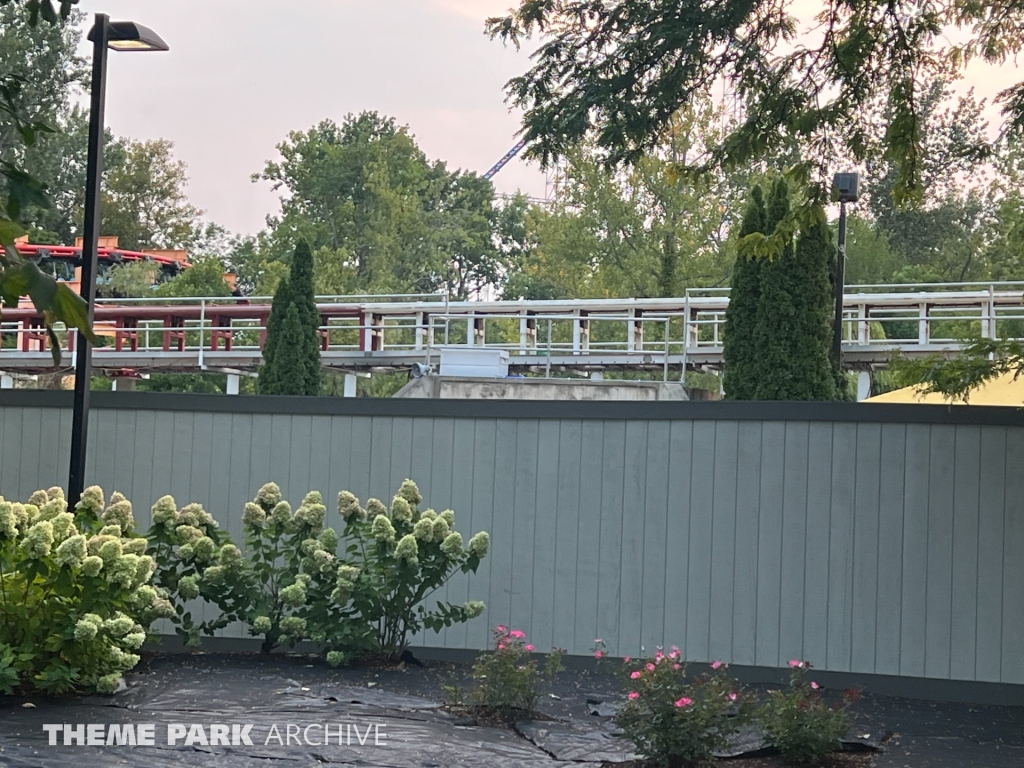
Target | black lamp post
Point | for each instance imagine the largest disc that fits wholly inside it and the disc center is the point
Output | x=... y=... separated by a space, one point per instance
x=120 y=36
x=848 y=187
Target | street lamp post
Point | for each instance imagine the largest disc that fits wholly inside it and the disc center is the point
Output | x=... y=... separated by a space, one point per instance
x=847 y=185
x=119 y=36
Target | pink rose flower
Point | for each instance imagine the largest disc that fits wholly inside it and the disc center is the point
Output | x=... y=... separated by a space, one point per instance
x=683 y=702
x=529 y=647
x=518 y=634
x=650 y=667
x=676 y=666
x=673 y=654
x=598 y=641
x=633 y=695
x=716 y=665
x=795 y=663
x=598 y=654
x=814 y=685
x=625 y=659
x=501 y=646
x=732 y=697
x=501 y=628
x=635 y=675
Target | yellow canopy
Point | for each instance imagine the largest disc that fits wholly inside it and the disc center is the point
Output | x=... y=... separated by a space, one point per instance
x=1006 y=389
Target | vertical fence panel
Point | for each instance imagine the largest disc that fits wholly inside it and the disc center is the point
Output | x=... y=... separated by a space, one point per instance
x=883 y=546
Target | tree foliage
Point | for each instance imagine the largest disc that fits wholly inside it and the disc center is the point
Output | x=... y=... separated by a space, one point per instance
x=292 y=351
x=779 y=320
x=618 y=70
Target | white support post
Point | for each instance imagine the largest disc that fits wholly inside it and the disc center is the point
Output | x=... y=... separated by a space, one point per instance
x=233 y=380
x=576 y=335
x=420 y=331
x=922 y=324
x=863 y=329
x=863 y=386
x=523 y=335
x=350 y=384
x=6 y=382
x=597 y=375
x=471 y=330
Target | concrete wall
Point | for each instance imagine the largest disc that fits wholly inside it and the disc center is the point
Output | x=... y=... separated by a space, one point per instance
x=465 y=388
x=866 y=538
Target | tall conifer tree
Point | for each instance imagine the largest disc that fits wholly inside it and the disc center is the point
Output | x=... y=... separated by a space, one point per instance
x=741 y=316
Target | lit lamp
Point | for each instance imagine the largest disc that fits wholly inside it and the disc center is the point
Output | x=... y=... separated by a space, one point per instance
x=119 y=36
x=847 y=187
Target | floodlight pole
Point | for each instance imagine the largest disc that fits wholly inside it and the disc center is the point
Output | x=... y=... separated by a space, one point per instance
x=90 y=245
x=837 y=328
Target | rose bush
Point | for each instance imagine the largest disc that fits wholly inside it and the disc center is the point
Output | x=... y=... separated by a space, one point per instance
x=75 y=597
x=509 y=678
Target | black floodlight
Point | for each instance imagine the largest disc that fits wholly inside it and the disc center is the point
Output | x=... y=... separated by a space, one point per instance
x=129 y=36
x=847 y=186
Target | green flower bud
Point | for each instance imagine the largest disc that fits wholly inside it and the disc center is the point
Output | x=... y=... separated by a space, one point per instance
x=440 y=529
x=164 y=511
x=124 y=570
x=187 y=534
x=348 y=506
x=118 y=627
x=72 y=551
x=410 y=492
x=8 y=524
x=382 y=530
x=324 y=561
x=135 y=546
x=39 y=539
x=204 y=549
x=341 y=593
x=114 y=531
x=92 y=500
x=328 y=539
x=293 y=626
x=188 y=587
x=110 y=550
x=294 y=595
x=400 y=509
x=311 y=515
x=428 y=514
x=449 y=517
x=109 y=683
x=303 y=579
x=85 y=631
x=120 y=514
x=348 y=573
x=313 y=498
x=473 y=608
x=309 y=546
x=424 y=529
x=335 y=658
x=134 y=640
x=92 y=565
x=479 y=544
x=452 y=545
x=268 y=496
x=38 y=498
x=282 y=514
x=163 y=608
x=407 y=549
x=253 y=516
x=185 y=552
x=230 y=555
x=375 y=507
x=192 y=514
x=50 y=509
x=214 y=575
x=261 y=625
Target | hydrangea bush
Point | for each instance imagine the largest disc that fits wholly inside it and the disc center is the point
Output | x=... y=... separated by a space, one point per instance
x=292 y=583
x=195 y=559
x=75 y=597
x=401 y=557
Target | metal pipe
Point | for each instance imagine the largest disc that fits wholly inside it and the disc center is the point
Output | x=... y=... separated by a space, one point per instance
x=837 y=326
x=90 y=243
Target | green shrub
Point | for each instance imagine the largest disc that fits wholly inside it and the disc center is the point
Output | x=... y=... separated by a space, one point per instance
x=401 y=557
x=195 y=559
x=75 y=598
x=674 y=721
x=292 y=584
x=508 y=679
x=799 y=723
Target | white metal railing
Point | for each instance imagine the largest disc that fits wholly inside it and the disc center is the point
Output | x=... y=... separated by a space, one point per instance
x=671 y=330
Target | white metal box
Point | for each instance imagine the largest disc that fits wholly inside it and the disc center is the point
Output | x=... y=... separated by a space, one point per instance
x=478 y=362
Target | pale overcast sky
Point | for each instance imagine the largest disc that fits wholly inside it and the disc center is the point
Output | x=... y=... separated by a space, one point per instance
x=241 y=74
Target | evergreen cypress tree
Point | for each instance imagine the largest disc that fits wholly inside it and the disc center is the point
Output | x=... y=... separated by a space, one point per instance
x=812 y=334
x=291 y=355
x=741 y=316
x=267 y=382
x=776 y=311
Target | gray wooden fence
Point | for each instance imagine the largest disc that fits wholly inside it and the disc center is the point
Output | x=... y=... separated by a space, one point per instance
x=864 y=538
